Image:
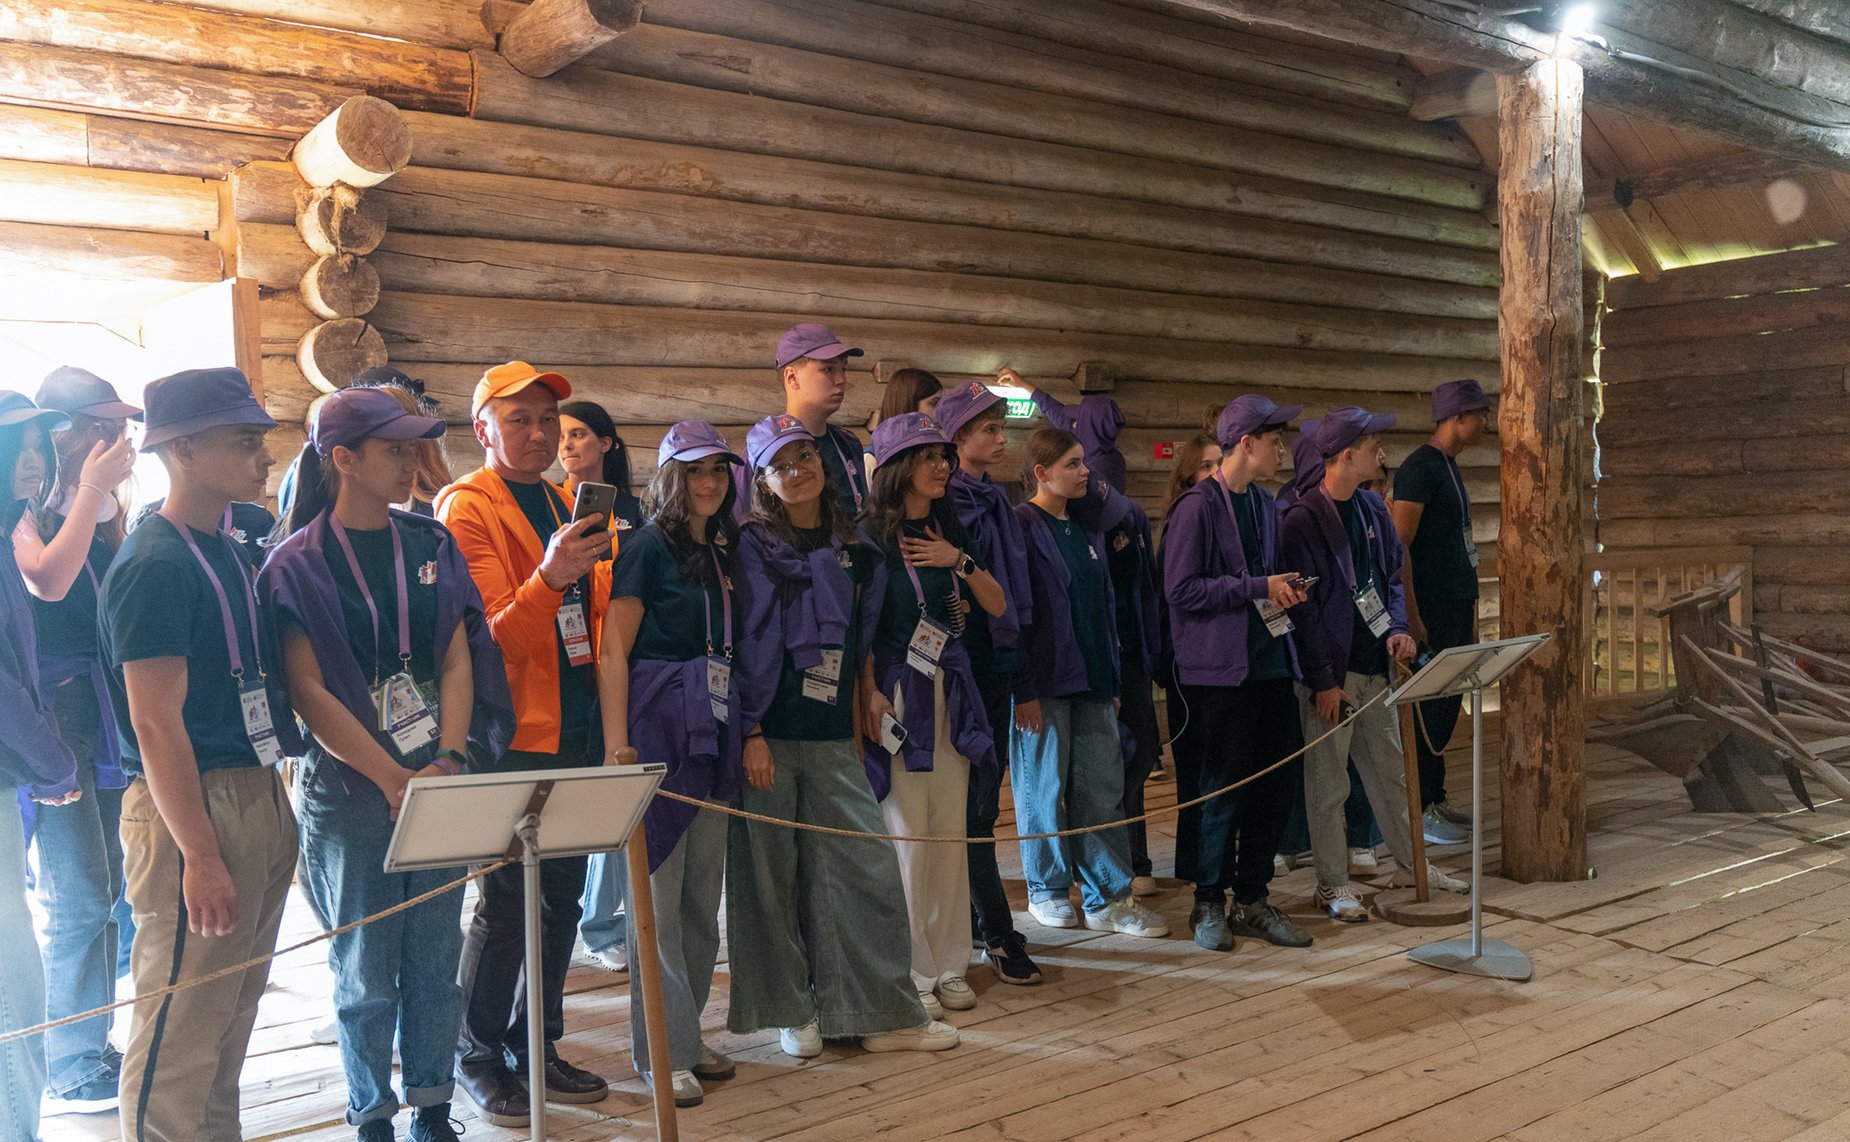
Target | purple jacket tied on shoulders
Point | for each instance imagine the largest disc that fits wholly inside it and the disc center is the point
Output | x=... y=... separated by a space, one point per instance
x=793 y=604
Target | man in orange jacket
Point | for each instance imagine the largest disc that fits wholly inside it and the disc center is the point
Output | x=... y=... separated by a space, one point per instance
x=545 y=593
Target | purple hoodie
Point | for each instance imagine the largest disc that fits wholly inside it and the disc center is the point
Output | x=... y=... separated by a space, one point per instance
x=1205 y=581
x=1097 y=423
x=1314 y=541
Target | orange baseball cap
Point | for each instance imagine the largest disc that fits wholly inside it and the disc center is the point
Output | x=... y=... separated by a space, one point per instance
x=506 y=380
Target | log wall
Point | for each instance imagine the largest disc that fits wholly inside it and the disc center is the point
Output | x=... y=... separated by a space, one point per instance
x=1726 y=401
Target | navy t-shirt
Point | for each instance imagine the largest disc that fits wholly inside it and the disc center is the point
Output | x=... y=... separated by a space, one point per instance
x=676 y=610
x=547 y=512
x=1367 y=650
x=68 y=626
x=378 y=657
x=899 y=612
x=1086 y=590
x=158 y=603
x=1441 y=567
x=1266 y=659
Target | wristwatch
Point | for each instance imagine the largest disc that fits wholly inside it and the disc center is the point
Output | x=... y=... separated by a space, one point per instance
x=966 y=566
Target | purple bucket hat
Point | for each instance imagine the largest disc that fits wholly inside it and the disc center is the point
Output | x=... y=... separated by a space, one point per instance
x=1455 y=398
x=181 y=404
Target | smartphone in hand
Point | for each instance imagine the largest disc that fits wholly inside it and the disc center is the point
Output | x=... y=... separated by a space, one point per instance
x=595 y=499
x=892 y=734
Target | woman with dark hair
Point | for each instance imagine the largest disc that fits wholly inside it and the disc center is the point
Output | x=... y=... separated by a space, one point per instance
x=590 y=451
x=1066 y=764
x=829 y=951
x=923 y=682
x=388 y=661
x=1196 y=459
x=910 y=390
x=668 y=643
x=62 y=550
x=33 y=762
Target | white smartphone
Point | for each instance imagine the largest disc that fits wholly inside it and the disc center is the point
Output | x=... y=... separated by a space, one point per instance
x=892 y=734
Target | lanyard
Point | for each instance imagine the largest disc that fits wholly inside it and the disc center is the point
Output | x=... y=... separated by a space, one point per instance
x=224 y=602
x=847 y=468
x=918 y=588
x=1253 y=512
x=558 y=522
x=1464 y=505
x=725 y=602
x=359 y=578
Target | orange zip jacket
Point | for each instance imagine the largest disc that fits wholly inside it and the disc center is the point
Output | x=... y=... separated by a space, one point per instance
x=504 y=560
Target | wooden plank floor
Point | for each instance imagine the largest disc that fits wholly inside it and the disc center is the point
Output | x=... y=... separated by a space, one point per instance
x=1696 y=986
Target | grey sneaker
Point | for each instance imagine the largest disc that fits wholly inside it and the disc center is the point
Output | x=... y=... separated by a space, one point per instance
x=1452 y=813
x=1261 y=921
x=1440 y=831
x=1209 y=922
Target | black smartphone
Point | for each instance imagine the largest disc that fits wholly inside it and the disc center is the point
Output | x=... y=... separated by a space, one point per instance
x=1305 y=582
x=595 y=499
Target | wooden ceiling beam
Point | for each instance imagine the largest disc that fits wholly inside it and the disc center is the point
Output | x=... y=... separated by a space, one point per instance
x=1827 y=18
x=1433 y=30
x=1745 y=169
x=1455 y=93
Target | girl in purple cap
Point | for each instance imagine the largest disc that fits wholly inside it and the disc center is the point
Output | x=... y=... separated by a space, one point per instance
x=667 y=681
x=830 y=953
x=922 y=680
x=388 y=660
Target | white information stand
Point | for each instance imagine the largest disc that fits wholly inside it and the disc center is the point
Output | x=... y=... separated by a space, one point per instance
x=476 y=819
x=1461 y=670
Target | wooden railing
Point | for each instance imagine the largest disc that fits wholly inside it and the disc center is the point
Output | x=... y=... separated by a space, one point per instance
x=1628 y=648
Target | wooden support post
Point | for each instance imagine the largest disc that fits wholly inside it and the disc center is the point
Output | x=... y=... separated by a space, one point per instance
x=1540 y=546
x=553 y=33
x=362 y=143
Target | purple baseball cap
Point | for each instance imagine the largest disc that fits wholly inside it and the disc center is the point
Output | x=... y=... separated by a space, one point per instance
x=1341 y=427
x=814 y=341
x=1250 y=414
x=70 y=389
x=771 y=434
x=17 y=408
x=962 y=404
x=352 y=415
x=183 y=403
x=1455 y=398
x=694 y=440
x=903 y=433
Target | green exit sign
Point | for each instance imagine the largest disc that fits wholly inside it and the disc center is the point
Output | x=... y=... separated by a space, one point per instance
x=1020 y=408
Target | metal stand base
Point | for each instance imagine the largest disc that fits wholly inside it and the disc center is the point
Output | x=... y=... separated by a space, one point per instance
x=1497 y=960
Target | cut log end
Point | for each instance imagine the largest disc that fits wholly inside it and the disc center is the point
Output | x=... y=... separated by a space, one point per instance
x=550 y=34
x=333 y=354
x=362 y=143
x=342 y=220
x=340 y=285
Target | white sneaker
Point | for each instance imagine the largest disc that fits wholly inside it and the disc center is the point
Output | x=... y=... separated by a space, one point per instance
x=687 y=1089
x=1055 y=913
x=1144 y=886
x=956 y=994
x=327 y=1034
x=1129 y=917
x=614 y=958
x=933 y=1009
x=928 y=1036
x=1341 y=903
x=713 y=1065
x=803 y=1042
x=1362 y=862
x=1279 y=867
x=1435 y=879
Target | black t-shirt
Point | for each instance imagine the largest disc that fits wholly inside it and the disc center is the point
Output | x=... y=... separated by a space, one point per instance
x=68 y=626
x=677 y=611
x=547 y=513
x=835 y=461
x=158 y=603
x=250 y=528
x=1266 y=659
x=1441 y=567
x=899 y=613
x=1367 y=650
x=794 y=717
x=1086 y=590
x=373 y=549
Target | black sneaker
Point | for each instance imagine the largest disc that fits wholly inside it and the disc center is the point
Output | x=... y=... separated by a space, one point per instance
x=434 y=1124
x=99 y=1095
x=378 y=1130
x=1010 y=960
x=1261 y=921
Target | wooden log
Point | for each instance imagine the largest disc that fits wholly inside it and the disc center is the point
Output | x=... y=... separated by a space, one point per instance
x=273 y=256
x=95 y=81
x=407 y=73
x=441 y=23
x=1629 y=426
x=62 y=195
x=271 y=193
x=1824 y=381
x=1456 y=93
x=1200 y=223
x=1825 y=18
x=340 y=285
x=41 y=135
x=549 y=34
x=1708 y=497
x=1816 y=268
x=609 y=103
x=481 y=267
x=1820 y=529
x=1749 y=168
x=1541 y=549
x=169 y=148
x=282 y=323
x=361 y=143
x=1746 y=46
x=334 y=352
x=342 y=220
x=1723 y=356
x=1767 y=313
x=27 y=250
x=922 y=43
x=499 y=206
x=287 y=394
x=429 y=327
x=1777 y=564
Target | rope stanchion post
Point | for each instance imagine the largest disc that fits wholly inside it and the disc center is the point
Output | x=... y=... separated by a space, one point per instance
x=648 y=969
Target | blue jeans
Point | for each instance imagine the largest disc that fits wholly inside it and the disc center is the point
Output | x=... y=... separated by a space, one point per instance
x=393 y=979
x=607 y=880
x=1069 y=776
x=79 y=865
x=22 y=987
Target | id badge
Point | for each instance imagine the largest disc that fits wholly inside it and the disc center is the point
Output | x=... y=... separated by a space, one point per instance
x=257 y=725
x=719 y=688
x=574 y=634
x=822 y=683
x=1277 y=622
x=1470 y=545
x=404 y=714
x=1374 y=613
x=929 y=639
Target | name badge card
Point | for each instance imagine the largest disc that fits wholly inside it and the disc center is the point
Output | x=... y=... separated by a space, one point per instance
x=929 y=639
x=257 y=725
x=1277 y=622
x=1470 y=545
x=404 y=714
x=822 y=683
x=1374 y=612
x=719 y=688
x=575 y=633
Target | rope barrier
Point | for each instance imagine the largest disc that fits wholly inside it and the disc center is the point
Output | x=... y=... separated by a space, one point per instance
x=477 y=874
